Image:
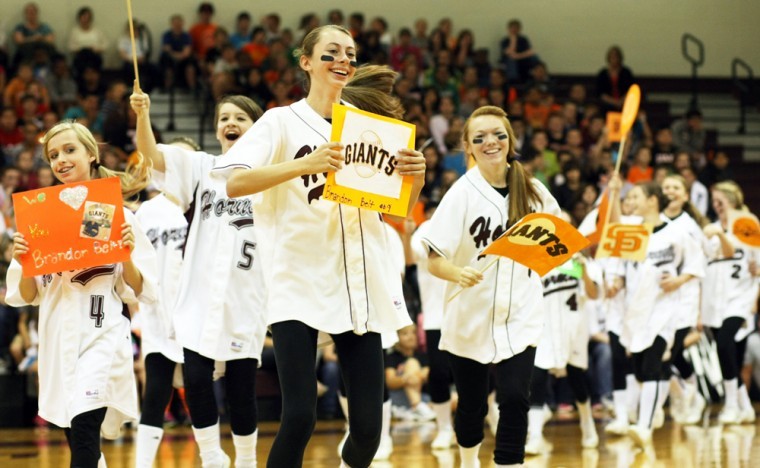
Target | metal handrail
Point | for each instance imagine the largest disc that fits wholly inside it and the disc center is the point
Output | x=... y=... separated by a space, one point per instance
x=696 y=62
x=744 y=89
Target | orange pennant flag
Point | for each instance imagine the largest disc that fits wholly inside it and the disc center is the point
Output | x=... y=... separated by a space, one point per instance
x=614 y=126
x=626 y=241
x=539 y=241
x=745 y=226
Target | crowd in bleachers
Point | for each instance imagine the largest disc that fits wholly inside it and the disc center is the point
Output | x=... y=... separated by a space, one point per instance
x=443 y=75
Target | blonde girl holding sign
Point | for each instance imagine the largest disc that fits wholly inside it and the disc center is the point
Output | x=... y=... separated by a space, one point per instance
x=87 y=382
x=328 y=270
x=498 y=318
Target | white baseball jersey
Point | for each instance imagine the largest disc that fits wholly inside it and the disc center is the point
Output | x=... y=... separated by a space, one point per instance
x=432 y=288
x=398 y=263
x=729 y=289
x=688 y=306
x=613 y=267
x=503 y=314
x=166 y=228
x=566 y=327
x=219 y=311
x=85 y=349
x=326 y=264
x=650 y=311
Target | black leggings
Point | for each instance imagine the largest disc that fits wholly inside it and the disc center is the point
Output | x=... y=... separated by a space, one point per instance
x=84 y=438
x=513 y=377
x=685 y=369
x=440 y=368
x=159 y=375
x=647 y=365
x=730 y=361
x=621 y=364
x=361 y=364
x=576 y=377
x=240 y=385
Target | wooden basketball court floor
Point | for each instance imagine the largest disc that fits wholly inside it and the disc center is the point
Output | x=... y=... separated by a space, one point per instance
x=674 y=446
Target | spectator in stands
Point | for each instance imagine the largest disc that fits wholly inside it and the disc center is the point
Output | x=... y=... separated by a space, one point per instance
x=32 y=35
x=537 y=108
x=698 y=193
x=85 y=111
x=28 y=172
x=689 y=132
x=464 y=50
x=717 y=169
x=90 y=81
x=517 y=55
x=380 y=26
x=641 y=170
x=533 y=162
x=61 y=86
x=569 y=190
x=577 y=95
x=202 y=32
x=30 y=110
x=613 y=81
x=177 y=62
x=574 y=143
x=10 y=133
x=271 y=24
x=420 y=38
x=404 y=49
x=86 y=42
x=406 y=371
x=335 y=17
x=539 y=144
x=17 y=85
x=356 y=28
x=433 y=174
x=142 y=52
x=45 y=177
x=440 y=121
x=308 y=22
x=539 y=76
x=257 y=48
x=242 y=34
x=555 y=131
x=664 y=151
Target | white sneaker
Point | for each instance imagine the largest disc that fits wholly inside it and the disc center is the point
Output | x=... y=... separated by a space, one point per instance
x=659 y=418
x=445 y=439
x=616 y=427
x=729 y=416
x=534 y=445
x=422 y=412
x=385 y=449
x=642 y=437
x=747 y=416
x=589 y=437
x=694 y=413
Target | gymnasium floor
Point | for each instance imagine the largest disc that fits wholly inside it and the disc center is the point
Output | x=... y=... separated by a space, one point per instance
x=674 y=446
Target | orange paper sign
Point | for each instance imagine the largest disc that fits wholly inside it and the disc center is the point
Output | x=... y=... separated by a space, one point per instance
x=627 y=241
x=614 y=133
x=369 y=178
x=539 y=241
x=745 y=227
x=71 y=226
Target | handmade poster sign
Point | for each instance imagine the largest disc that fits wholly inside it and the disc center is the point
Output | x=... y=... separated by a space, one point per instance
x=539 y=241
x=626 y=241
x=71 y=226
x=368 y=178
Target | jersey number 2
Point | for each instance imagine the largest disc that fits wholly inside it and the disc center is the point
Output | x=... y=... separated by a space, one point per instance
x=247 y=251
x=96 y=310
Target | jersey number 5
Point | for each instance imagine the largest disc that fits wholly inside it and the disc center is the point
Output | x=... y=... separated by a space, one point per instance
x=247 y=251
x=96 y=310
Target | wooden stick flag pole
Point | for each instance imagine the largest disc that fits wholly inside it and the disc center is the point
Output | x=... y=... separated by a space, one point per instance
x=132 y=39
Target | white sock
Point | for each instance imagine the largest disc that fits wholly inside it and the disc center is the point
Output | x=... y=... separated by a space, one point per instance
x=632 y=389
x=209 y=445
x=245 y=450
x=744 y=402
x=647 y=404
x=584 y=411
x=732 y=393
x=386 y=429
x=102 y=461
x=620 y=402
x=148 y=440
x=443 y=415
x=663 y=392
x=535 y=421
x=469 y=456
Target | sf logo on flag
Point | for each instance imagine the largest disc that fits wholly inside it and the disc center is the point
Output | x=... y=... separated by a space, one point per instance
x=628 y=241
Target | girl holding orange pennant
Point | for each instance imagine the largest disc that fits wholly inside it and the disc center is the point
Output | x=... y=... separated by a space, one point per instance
x=326 y=264
x=687 y=406
x=652 y=294
x=729 y=294
x=498 y=318
x=87 y=382
x=218 y=317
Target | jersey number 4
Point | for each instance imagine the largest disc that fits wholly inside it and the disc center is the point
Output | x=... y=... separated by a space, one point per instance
x=247 y=252
x=572 y=303
x=96 y=310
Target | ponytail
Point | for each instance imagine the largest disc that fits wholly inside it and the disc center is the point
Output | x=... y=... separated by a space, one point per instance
x=522 y=192
x=371 y=90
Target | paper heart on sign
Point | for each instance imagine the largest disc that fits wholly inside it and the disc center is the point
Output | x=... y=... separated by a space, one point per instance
x=74 y=196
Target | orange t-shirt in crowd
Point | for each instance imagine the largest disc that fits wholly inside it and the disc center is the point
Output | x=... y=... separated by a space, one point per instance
x=202 y=37
x=257 y=52
x=638 y=174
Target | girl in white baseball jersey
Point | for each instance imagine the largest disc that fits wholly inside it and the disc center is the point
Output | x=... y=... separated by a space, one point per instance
x=564 y=346
x=166 y=227
x=219 y=312
x=652 y=295
x=728 y=296
x=325 y=263
x=87 y=384
x=686 y=407
x=498 y=318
